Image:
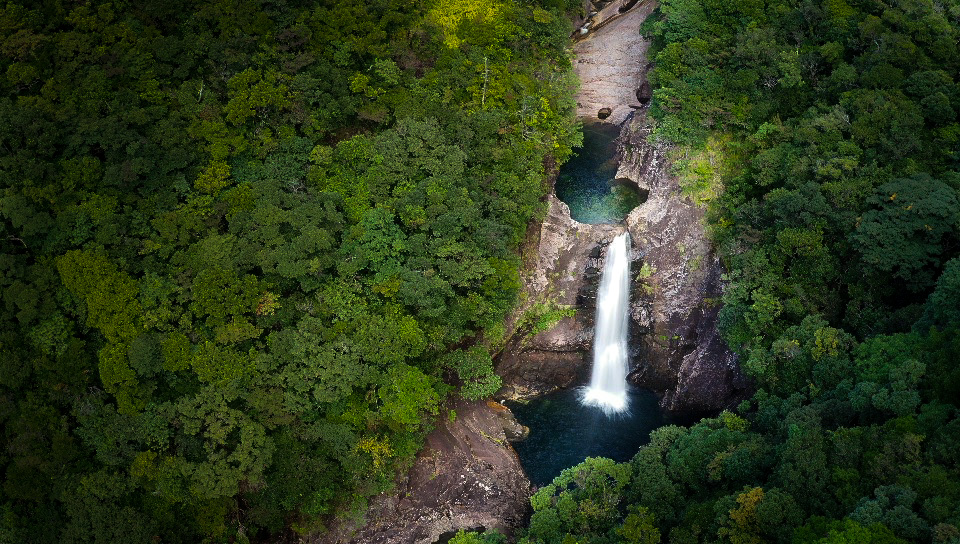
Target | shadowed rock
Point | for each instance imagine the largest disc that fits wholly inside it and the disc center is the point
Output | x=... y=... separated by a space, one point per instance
x=467 y=476
x=676 y=347
x=644 y=93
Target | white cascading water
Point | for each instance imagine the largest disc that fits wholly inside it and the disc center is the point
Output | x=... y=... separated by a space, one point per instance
x=608 y=384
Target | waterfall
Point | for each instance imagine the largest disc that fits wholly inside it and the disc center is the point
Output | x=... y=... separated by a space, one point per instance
x=608 y=384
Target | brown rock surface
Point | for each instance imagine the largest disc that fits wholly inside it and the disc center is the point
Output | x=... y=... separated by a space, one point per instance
x=466 y=477
x=644 y=92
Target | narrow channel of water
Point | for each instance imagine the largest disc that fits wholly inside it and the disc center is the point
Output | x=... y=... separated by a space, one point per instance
x=563 y=432
x=587 y=182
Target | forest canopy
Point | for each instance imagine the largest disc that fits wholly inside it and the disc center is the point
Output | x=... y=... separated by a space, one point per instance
x=250 y=247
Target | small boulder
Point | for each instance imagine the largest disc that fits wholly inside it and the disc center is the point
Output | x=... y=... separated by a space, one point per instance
x=604 y=113
x=512 y=429
x=644 y=93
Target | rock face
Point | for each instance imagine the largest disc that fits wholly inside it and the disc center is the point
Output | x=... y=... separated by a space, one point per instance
x=466 y=477
x=563 y=260
x=676 y=350
x=675 y=346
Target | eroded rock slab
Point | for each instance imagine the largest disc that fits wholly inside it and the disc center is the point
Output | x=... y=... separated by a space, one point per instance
x=466 y=477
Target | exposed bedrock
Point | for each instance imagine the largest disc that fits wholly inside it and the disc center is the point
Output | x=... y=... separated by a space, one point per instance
x=676 y=350
x=610 y=60
x=466 y=477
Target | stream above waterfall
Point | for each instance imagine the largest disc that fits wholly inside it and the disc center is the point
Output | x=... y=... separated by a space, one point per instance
x=563 y=432
x=587 y=182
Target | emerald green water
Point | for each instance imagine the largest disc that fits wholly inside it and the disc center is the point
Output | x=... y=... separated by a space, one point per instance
x=587 y=182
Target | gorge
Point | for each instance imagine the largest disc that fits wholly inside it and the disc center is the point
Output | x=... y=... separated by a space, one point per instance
x=675 y=274
x=678 y=364
x=339 y=272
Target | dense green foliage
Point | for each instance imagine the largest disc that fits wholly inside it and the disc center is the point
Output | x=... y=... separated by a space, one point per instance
x=823 y=136
x=249 y=247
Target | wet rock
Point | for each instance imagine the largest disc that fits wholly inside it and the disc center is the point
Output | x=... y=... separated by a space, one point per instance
x=627 y=5
x=710 y=377
x=603 y=113
x=512 y=429
x=467 y=476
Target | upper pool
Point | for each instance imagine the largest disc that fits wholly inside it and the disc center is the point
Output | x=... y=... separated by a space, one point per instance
x=587 y=182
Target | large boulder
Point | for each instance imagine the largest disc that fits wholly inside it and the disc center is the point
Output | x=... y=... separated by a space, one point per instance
x=644 y=92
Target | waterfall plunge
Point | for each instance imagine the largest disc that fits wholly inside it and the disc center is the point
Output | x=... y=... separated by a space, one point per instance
x=608 y=384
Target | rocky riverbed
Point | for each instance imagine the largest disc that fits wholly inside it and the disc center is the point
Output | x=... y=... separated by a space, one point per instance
x=611 y=60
